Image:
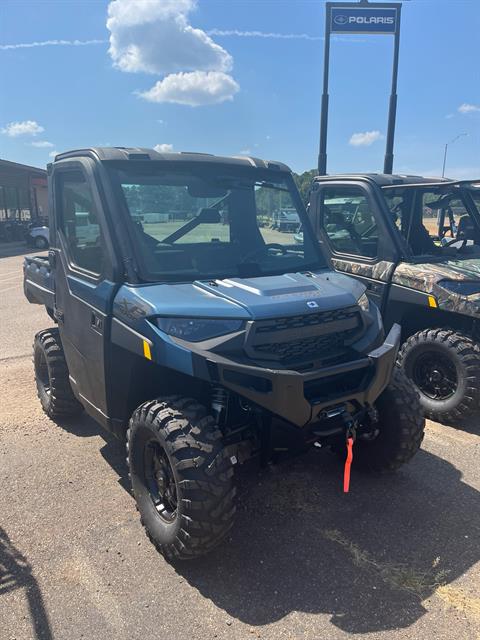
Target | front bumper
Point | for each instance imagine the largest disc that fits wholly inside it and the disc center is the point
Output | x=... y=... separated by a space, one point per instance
x=303 y=398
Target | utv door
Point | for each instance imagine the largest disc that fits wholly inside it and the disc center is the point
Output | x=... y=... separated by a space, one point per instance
x=83 y=281
x=353 y=234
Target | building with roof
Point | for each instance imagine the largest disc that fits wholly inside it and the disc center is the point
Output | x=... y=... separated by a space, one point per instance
x=23 y=191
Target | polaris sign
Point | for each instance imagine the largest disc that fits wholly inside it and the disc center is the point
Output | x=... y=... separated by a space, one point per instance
x=346 y=19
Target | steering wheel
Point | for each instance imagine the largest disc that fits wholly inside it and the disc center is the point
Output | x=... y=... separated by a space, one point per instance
x=264 y=249
x=340 y=221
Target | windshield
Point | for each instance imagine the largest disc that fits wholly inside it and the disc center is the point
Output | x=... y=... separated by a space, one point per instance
x=437 y=221
x=196 y=223
x=474 y=191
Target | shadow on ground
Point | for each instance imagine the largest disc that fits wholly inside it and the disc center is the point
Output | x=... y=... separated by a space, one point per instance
x=10 y=250
x=113 y=451
x=469 y=425
x=368 y=559
x=16 y=573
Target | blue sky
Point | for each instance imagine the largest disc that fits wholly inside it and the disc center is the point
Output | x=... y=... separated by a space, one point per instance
x=257 y=94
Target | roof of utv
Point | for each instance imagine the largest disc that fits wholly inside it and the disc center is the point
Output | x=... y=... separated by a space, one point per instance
x=134 y=154
x=385 y=179
x=389 y=180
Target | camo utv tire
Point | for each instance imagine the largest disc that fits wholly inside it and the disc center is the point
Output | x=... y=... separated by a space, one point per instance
x=444 y=365
x=51 y=377
x=182 y=477
x=399 y=432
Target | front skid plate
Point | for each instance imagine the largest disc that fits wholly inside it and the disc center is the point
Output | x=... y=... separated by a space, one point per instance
x=282 y=392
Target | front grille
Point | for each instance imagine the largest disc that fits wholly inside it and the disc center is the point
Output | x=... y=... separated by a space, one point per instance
x=317 y=336
x=321 y=347
x=310 y=320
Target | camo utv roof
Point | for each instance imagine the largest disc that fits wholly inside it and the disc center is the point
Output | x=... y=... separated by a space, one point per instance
x=385 y=179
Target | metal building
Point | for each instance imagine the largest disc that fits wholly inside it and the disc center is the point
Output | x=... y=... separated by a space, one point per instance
x=23 y=198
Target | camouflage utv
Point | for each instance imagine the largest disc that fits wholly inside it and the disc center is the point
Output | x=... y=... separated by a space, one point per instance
x=415 y=243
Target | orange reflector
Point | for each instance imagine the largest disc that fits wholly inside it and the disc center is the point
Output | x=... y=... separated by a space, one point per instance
x=432 y=302
x=146 y=350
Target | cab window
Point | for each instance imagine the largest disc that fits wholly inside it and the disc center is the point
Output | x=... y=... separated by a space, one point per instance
x=78 y=222
x=433 y=220
x=349 y=222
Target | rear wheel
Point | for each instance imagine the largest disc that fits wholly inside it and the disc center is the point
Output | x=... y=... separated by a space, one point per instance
x=444 y=365
x=40 y=243
x=398 y=433
x=182 y=477
x=51 y=376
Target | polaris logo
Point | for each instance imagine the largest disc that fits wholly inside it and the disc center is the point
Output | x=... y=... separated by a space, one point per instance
x=312 y=304
x=342 y=20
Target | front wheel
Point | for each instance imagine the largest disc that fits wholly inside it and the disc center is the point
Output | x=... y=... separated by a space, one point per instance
x=398 y=433
x=444 y=365
x=182 y=477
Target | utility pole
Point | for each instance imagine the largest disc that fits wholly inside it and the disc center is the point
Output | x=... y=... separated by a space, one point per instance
x=464 y=133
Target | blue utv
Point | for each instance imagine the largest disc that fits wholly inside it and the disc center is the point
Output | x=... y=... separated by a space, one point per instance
x=188 y=326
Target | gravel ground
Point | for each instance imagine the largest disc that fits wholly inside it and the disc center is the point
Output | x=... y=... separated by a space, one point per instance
x=397 y=558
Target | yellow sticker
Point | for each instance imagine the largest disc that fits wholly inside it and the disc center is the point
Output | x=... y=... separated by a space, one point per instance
x=432 y=302
x=146 y=350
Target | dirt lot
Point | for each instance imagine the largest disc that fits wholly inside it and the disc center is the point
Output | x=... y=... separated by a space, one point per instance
x=397 y=558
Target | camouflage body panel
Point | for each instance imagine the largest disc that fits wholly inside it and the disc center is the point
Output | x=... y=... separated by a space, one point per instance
x=381 y=271
x=426 y=277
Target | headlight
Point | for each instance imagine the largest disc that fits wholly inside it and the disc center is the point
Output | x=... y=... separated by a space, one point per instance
x=363 y=302
x=461 y=287
x=195 y=330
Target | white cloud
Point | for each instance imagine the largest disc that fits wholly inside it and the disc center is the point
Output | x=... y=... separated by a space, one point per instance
x=163 y=148
x=27 y=127
x=50 y=43
x=42 y=144
x=154 y=36
x=468 y=108
x=52 y=154
x=193 y=89
x=245 y=152
x=364 y=139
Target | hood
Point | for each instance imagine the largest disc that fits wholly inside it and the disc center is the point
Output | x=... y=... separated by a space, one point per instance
x=249 y=298
x=424 y=276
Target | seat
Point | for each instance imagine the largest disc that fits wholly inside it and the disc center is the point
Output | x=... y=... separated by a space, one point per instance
x=420 y=241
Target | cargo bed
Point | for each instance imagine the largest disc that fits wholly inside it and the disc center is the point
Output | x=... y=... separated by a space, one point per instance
x=38 y=281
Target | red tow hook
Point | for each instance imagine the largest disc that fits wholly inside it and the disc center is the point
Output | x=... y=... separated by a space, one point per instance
x=350 y=439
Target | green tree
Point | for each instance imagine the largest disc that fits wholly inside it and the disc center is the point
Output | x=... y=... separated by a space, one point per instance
x=303 y=182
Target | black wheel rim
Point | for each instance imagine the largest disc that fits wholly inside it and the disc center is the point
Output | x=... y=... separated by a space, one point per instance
x=42 y=373
x=160 y=481
x=435 y=375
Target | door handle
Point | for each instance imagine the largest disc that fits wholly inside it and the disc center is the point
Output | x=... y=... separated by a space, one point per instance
x=373 y=287
x=96 y=322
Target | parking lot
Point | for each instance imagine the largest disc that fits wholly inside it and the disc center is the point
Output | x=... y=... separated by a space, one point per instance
x=396 y=558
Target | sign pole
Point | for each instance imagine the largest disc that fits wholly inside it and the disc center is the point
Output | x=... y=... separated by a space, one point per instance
x=392 y=110
x=322 y=154
x=360 y=18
